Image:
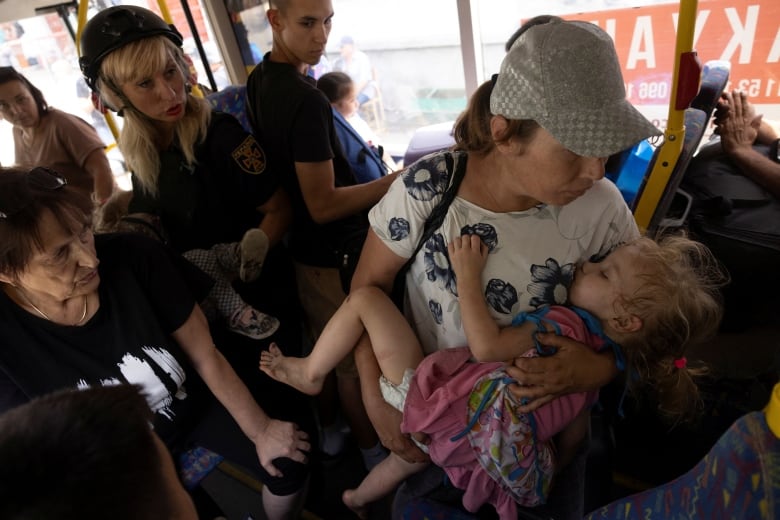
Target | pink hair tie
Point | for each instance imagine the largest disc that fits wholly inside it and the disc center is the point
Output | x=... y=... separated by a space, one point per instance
x=681 y=362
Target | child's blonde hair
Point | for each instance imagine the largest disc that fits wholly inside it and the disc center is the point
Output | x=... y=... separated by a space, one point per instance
x=136 y=60
x=680 y=305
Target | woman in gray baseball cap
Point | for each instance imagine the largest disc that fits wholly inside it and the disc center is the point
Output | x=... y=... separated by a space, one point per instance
x=530 y=153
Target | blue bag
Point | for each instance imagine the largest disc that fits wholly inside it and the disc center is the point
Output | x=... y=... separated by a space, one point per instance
x=365 y=159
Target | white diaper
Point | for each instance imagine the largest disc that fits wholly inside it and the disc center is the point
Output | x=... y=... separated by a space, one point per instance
x=395 y=396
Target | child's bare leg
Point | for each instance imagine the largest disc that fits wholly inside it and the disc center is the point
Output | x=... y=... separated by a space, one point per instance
x=366 y=309
x=395 y=345
x=379 y=482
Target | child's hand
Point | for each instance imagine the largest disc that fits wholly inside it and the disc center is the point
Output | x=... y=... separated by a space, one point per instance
x=468 y=256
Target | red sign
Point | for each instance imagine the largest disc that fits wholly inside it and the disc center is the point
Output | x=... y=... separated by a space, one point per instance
x=745 y=33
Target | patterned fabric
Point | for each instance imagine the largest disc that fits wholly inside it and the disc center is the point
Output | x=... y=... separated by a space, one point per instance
x=505 y=443
x=532 y=253
x=535 y=82
x=232 y=100
x=739 y=478
x=195 y=464
x=223 y=295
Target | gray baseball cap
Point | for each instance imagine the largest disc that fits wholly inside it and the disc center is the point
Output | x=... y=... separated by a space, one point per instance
x=565 y=76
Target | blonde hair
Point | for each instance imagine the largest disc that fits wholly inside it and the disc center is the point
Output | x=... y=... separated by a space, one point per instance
x=680 y=305
x=136 y=60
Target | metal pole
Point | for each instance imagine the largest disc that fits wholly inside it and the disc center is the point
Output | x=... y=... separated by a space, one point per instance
x=199 y=44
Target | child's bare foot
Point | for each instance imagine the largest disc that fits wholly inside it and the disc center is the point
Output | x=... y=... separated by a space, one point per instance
x=361 y=510
x=289 y=370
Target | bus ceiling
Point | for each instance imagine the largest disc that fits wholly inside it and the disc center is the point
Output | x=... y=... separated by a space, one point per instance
x=12 y=10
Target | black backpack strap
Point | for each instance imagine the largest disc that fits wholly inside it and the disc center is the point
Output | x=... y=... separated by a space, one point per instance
x=436 y=218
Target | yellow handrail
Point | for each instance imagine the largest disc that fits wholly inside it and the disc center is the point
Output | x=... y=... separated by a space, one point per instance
x=772 y=411
x=82 y=21
x=674 y=135
x=164 y=12
x=166 y=15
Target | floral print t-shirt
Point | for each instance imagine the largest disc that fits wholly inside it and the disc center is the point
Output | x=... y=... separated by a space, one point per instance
x=532 y=254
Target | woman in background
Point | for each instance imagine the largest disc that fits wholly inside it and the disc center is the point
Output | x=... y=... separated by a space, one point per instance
x=45 y=136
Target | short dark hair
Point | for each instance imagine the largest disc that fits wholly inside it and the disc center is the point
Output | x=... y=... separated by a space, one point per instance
x=88 y=454
x=335 y=85
x=20 y=233
x=11 y=74
x=281 y=5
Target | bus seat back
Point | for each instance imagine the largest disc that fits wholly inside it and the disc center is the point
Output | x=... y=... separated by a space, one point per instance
x=232 y=100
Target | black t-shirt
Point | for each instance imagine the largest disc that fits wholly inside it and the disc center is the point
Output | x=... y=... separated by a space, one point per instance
x=217 y=200
x=294 y=121
x=143 y=299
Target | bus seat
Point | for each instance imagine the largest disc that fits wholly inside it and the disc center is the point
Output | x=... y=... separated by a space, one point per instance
x=196 y=464
x=672 y=209
x=627 y=169
x=232 y=100
x=714 y=78
x=738 y=478
x=429 y=139
x=674 y=204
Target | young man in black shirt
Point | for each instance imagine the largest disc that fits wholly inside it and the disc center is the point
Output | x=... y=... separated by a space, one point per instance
x=294 y=121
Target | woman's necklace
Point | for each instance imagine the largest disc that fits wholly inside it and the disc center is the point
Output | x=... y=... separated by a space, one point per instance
x=46 y=316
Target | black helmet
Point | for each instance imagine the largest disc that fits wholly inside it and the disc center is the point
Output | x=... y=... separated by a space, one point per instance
x=115 y=27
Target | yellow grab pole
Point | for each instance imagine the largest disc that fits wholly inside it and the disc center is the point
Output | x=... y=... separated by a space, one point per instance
x=674 y=135
x=166 y=15
x=82 y=21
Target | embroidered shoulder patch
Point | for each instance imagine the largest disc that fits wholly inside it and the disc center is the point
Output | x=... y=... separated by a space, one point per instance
x=249 y=156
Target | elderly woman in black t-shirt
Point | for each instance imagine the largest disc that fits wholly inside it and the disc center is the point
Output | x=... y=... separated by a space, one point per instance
x=79 y=311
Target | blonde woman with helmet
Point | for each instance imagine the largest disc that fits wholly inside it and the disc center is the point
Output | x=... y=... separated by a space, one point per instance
x=199 y=172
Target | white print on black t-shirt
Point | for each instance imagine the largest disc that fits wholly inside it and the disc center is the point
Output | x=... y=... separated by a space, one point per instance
x=138 y=371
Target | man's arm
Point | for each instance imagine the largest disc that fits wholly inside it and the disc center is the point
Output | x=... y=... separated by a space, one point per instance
x=759 y=168
x=98 y=167
x=739 y=127
x=326 y=202
x=277 y=216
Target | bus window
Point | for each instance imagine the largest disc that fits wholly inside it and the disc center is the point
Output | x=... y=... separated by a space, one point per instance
x=415 y=63
x=741 y=32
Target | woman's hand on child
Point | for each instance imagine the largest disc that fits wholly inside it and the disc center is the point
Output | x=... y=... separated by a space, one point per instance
x=468 y=256
x=421 y=437
x=387 y=422
x=573 y=368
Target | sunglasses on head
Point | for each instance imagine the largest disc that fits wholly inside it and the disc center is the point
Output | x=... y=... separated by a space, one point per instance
x=15 y=199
